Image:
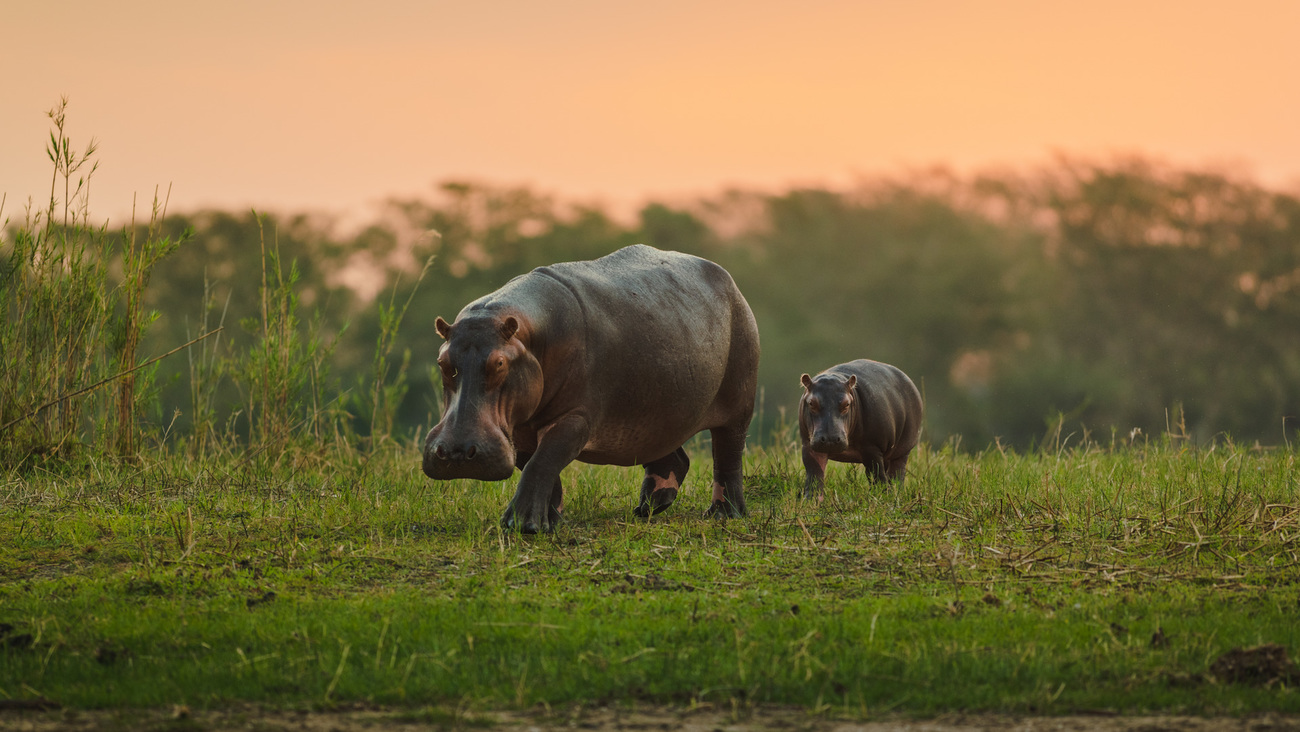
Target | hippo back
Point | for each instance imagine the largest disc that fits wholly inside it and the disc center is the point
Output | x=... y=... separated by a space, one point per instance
x=655 y=346
x=890 y=404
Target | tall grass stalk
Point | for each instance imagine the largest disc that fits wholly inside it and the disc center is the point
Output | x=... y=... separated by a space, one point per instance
x=139 y=256
x=206 y=367
x=55 y=292
x=284 y=375
x=388 y=384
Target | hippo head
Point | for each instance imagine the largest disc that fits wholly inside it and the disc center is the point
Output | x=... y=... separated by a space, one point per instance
x=490 y=383
x=828 y=408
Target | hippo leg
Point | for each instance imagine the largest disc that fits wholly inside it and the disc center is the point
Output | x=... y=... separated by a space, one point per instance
x=814 y=465
x=728 y=476
x=555 y=507
x=663 y=478
x=536 y=505
x=896 y=469
x=874 y=462
x=554 y=511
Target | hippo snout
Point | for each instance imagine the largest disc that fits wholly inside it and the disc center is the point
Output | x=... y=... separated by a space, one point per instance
x=457 y=452
x=446 y=458
x=829 y=444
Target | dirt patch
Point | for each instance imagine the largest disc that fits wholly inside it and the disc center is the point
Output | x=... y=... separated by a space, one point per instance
x=667 y=719
x=1264 y=665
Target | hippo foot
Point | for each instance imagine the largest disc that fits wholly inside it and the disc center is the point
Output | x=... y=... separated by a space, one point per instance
x=723 y=509
x=512 y=521
x=657 y=502
x=527 y=527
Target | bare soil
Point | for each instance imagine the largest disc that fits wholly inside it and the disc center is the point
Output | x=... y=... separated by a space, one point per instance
x=645 y=718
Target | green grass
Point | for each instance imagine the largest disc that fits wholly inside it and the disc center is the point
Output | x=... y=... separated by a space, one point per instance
x=998 y=581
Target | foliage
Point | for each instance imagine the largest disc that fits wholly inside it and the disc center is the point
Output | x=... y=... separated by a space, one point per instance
x=1166 y=274
x=893 y=274
x=270 y=379
x=1083 y=296
x=388 y=384
x=1104 y=295
x=82 y=304
x=72 y=324
x=282 y=378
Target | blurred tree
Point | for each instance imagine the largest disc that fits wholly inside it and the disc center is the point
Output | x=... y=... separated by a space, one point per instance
x=1102 y=296
x=1179 y=290
x=215 y=280
x=888 y=274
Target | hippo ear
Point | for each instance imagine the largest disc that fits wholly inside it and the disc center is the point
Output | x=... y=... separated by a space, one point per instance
x=853 y=381
x=806 y=380
x=508 y=327
x=443 y=328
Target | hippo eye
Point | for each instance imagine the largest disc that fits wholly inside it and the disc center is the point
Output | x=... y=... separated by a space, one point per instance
x=814 y=406
x=844 y=406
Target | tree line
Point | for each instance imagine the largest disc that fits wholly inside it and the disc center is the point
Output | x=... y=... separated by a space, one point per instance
x=1109 y=302
x=1101 y=300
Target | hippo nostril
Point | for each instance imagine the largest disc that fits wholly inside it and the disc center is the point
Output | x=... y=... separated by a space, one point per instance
x=469 y=454
x=824 y=443
x=440 y=452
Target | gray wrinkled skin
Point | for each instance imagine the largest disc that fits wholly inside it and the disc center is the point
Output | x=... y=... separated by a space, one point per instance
x=614 y=361
x=858 y=412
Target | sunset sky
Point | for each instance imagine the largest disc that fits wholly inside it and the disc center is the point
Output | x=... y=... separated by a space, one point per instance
x=332 y=107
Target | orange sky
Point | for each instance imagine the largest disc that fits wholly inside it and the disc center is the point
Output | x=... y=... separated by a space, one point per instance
x=308 y=105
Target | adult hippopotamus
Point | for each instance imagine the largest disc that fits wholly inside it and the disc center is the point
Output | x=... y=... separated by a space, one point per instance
x=858 y=412
x=614 y=361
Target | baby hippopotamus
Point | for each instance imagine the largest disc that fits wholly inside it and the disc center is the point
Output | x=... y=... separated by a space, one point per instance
x=858 y=412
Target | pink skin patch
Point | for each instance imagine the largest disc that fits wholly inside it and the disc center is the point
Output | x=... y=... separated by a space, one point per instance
x=664 y=492
x=662 y=483
x=820 y=458
x=718 y=488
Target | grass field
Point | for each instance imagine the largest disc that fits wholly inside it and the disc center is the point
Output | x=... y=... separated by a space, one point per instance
x=1073 y=580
